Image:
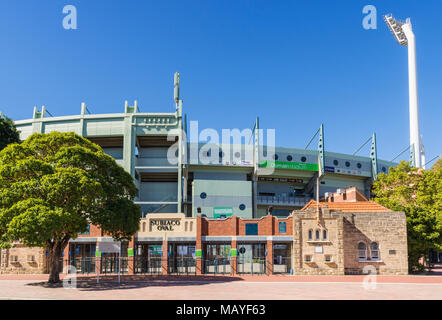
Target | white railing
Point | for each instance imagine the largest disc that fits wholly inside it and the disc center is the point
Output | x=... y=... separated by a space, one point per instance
x=281 y=200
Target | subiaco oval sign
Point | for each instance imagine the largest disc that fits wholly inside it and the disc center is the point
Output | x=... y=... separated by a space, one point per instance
x=164 y=224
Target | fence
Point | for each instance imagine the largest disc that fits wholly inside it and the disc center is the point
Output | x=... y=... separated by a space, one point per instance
x=175 y=265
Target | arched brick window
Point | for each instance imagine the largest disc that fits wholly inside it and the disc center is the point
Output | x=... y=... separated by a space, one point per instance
x=362 y=251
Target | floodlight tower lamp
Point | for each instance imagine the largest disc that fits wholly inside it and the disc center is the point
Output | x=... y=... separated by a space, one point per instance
x=403 y=33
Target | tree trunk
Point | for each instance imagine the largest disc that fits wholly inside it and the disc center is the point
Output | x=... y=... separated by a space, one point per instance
x=54 y=259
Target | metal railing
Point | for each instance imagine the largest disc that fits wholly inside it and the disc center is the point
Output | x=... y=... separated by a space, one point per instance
x=279 y=199
x=252 y=266
x=217 y=266
x=281 y=265
x=181 y=266
x=175 y=266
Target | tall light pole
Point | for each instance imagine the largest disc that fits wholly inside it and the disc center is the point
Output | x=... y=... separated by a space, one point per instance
x=403 y=32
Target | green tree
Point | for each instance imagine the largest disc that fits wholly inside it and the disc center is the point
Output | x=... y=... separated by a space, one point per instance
x=437 y=165
x=8 y=132
x=53 y=185
x=418 y=193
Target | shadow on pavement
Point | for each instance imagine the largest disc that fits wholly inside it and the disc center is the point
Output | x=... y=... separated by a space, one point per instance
x=134 y=282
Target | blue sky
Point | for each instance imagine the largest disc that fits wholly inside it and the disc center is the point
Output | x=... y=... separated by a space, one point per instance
x=295 y=64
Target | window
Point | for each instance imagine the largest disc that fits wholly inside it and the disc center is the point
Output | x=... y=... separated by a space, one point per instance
x=242 y=207
x=347 y=164
x=289 y=158
x=221 y=154
x=237 y=154
x=303 y=159
x=310 y=235
x=203 y=195
x=317 y=235
x=362 y=251
x=335 y=162
x=384 y=169
x=275 y=157
x=328 y=258
x=359 y=166
x=282 y=227
x=324 y=235
x=251 y=229
x=374 y=251
x=308 y=258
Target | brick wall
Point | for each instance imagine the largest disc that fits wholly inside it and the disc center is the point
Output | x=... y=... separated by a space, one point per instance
x=389 y=230
x=24 y=265
x=345 y=231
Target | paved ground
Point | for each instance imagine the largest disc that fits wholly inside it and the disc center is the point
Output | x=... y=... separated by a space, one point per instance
x=227 y=288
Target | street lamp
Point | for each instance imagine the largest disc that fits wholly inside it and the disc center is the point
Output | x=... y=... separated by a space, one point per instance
x=403 y=33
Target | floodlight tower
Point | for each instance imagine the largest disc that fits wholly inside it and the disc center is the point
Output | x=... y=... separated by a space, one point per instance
x=403 y=32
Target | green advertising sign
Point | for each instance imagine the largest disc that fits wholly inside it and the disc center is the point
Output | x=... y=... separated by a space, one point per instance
x=290 y=165
x=198 y=253
x=233 y=252
x=130 y=252
x=222 y=212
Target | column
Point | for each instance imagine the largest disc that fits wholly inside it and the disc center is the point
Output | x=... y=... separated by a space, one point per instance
x=131 y=260
x=199 y=245
x=233 y=259
x=165 y=257
x=269 y=257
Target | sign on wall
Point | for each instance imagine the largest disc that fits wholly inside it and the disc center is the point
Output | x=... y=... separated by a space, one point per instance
x=164 y=224
x=109 y=247
x=222 y=212
x=290 y=165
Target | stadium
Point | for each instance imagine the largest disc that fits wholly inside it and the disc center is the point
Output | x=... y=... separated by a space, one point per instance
x=221 y=208
x=222 y=180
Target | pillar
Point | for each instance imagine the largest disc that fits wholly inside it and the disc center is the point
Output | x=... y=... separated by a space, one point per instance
x=131 y=260
x=165 y=257
x=233 y=260
x=199 y=245
x=269 y=257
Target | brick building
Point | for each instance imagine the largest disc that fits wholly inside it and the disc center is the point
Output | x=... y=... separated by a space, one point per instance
x=343 y=234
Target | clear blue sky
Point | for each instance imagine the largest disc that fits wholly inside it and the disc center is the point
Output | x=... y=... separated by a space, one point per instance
x=295 y=64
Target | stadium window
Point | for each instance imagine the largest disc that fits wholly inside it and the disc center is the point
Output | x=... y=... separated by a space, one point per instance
x=347 y=164
x=303 y=159
x=242 y=207
x=359 y=166
x=336 y=162
x=289 y=158
x=203 y=195
x=362 y=251
x=275 y=157
x=384 y=169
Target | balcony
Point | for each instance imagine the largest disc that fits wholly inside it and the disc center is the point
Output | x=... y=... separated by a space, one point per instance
x=281 y=200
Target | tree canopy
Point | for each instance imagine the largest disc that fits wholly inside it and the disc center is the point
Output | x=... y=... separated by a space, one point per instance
x=437 y=165
x=53 y=185
x=8 y=132
x=418 y=193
